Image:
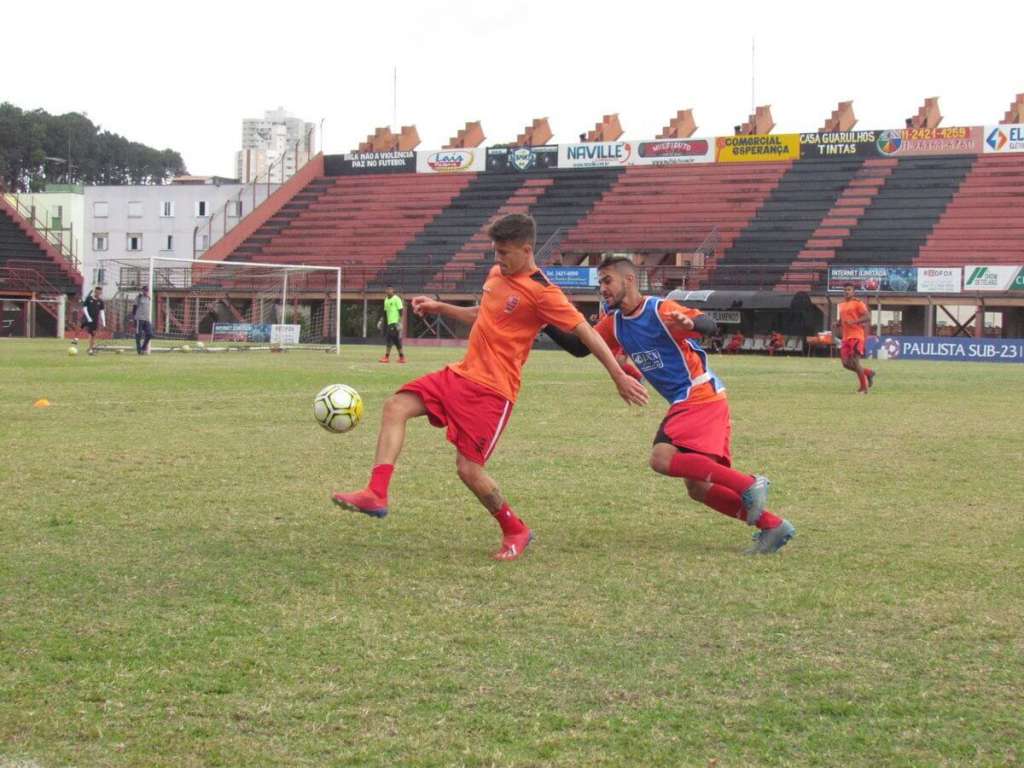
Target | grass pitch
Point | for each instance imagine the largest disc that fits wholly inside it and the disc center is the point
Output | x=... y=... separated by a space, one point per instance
x=177 y=590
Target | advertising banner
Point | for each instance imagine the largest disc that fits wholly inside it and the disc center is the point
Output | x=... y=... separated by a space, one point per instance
x=993 y=278
x=598 y=154
x=723 y=317
x=939 y=279
x=838 y=145
x=370 y=162
x=521 y=159
x=757 y=149
x=285 y=334
x=946 y=348
x=241 y=332
x=911 y=142
x=873 y=279
x=674 y=152
x=572 y=277
x=1004 y=138
x=451 y=161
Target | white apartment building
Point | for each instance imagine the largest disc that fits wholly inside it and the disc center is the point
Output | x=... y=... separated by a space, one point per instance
x=179 y=220
x=278 y=143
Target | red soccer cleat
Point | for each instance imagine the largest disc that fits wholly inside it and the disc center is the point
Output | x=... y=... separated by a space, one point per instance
x=401 y=359
x=384 y=360
x=513 y=545
x=365 y=501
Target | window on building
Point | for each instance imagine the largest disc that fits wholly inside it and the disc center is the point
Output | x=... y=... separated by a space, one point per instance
x=135 y=210
x=134 y=241
x=99 y=276
x=167 y=209
x=100 y=210
x=202 y=208
x=100 y=241
x=235 y=208
x=204 y=242
x=168 y=243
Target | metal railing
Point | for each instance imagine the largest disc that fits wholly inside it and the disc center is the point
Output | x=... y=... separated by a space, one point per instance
x=53 y=235
x=229 y=215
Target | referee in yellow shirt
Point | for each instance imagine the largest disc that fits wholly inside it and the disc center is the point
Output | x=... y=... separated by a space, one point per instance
x=393 y=332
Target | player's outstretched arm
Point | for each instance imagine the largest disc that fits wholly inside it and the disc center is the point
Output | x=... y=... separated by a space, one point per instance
x=424 y=305
x=571 y=344
x=630 y=390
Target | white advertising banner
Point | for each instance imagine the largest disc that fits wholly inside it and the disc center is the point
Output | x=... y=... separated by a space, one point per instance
x=598 y=154
x=284 y=334
x=452 y=161
x=993 y=278
x=939 y=279
x=1003 y=138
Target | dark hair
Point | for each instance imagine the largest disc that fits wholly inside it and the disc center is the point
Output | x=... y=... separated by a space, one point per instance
x=515 y=228
x=848 y=285
x=609 y=262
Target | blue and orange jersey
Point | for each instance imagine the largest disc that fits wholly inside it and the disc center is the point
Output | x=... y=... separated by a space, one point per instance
x=670 y=357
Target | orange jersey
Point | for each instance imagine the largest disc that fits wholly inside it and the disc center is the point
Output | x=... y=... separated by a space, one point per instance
x=669 y=357
x=849 y=313
x=512 y=311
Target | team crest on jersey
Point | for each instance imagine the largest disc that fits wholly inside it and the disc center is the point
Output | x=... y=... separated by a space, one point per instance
x=511 y=303
x=648 y=360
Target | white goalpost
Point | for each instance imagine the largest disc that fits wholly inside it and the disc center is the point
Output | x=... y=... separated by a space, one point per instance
x=225 y=305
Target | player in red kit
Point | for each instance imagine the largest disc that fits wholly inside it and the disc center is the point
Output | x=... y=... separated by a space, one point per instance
x=473 y=399
x=854 y=320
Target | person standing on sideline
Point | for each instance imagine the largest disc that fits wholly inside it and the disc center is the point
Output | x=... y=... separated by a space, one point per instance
x=393 y=330
x=473 y=399
x=143 y=327
x=854 y=320
x=93 y=315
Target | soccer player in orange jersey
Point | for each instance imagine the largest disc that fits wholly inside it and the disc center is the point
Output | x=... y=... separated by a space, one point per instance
x=693 y=441
x=854 y=320
x=473 y=398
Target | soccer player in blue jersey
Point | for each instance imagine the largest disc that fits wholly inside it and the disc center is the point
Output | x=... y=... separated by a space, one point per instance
x=693 y=441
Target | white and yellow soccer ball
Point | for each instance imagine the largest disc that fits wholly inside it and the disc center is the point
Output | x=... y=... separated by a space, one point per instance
x=338 y=408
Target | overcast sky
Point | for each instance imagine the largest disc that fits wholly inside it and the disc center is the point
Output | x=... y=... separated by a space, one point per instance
x=184 y=74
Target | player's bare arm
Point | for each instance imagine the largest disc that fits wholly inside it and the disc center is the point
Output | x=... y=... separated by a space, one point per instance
x=424 y=305
x=630 y=390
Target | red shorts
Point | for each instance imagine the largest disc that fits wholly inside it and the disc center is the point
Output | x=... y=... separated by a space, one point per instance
x=705 y=428
x=474 y=415
x=850 y=348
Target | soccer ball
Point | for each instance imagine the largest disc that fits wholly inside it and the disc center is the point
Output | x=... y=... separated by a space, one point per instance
x=338 y=408
x=186 y=348
x=72 y=351
x=200 y=345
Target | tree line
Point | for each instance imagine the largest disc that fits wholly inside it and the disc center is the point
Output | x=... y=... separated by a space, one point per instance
x=37 y=148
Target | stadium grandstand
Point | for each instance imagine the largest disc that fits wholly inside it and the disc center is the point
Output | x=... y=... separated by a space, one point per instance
x=908 y=214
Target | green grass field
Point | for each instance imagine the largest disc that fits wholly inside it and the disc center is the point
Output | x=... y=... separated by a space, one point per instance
x=177 y=590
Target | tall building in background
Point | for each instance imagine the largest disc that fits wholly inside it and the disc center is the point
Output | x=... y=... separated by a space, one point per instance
x=277 y=143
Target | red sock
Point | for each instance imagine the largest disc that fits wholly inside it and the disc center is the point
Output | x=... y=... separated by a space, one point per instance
x=869 y=372
x=508 y=521
x=380 y=479
x=726 y=501
x=696 y=466
x=863 y=379
x=723 y=500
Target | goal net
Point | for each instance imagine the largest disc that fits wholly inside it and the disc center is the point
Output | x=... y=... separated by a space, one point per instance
x=223 y=305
